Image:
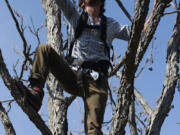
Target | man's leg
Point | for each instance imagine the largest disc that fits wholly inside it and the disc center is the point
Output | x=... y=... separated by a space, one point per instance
x=47 y=60
x=95 y=103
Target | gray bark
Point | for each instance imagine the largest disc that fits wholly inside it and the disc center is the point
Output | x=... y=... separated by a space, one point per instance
x=57 y=103
x=9 y=129
x=126 y=86
x=164 y=104
x=132 y=120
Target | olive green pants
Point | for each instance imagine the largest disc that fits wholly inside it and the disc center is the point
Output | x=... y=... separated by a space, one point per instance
x=94 y=93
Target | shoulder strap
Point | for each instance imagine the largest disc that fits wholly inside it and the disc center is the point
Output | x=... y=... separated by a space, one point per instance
x=79 y=28
x=104 y=35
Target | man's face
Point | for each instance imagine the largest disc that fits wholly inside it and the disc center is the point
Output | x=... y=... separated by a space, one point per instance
x=92 y=2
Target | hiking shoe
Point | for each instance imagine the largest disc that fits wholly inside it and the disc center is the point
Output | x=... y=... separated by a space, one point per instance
x=34 y=97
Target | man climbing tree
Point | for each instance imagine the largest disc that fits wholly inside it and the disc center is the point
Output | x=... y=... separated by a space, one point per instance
x=84 y=70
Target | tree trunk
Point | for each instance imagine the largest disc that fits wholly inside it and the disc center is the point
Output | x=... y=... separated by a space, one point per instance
x=57 y=105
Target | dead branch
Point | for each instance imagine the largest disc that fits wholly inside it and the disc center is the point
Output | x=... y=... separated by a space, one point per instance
x=148 y=60
x=9 y=129
x=124 y=10
x=141 y=121
x=35 y=31
x=20 y=30
x=142 y=101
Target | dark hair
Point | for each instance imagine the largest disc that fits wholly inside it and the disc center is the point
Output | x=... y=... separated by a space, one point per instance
x=102 y=7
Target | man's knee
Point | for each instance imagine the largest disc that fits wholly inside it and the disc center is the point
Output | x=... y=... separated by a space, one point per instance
x=43 y=48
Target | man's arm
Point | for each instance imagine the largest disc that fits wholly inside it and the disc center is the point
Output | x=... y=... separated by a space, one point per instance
x=69 y=9
x=120 y=31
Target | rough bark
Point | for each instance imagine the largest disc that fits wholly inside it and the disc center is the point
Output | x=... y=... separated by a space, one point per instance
x=164 y=105
x=19 y=93
x=9 y=129
x=57 y=104
x=126 y=85
x=131 y=120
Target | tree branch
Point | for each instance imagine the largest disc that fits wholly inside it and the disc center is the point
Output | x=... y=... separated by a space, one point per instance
x=124 y=10
x=25 y=51
x=57 y=108
x=9 y=129
x=127 y=81
x=19 y=93
x=151 y=28
x=142 y=101
x=172 y=12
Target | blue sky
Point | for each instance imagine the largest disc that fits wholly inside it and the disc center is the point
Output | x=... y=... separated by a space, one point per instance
x=149 y=83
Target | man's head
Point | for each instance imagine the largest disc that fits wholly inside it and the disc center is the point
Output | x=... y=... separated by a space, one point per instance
x=83 y=3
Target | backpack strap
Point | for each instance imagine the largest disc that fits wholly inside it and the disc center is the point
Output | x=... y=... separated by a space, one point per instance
x=104 y=35
x=79 y=29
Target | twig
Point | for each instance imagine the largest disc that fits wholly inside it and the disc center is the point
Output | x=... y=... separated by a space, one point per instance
x=172 y=12
x=124 y=10
x=20 y=30
x=140 y=121
x=5 y=101
x=14 y=68
x=117 y=66
x=149 y=59
x=112 y=102
x=35 y=32
x=9 y=103
x=17 y=25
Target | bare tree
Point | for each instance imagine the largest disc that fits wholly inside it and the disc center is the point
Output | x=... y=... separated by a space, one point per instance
x=125 y=110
